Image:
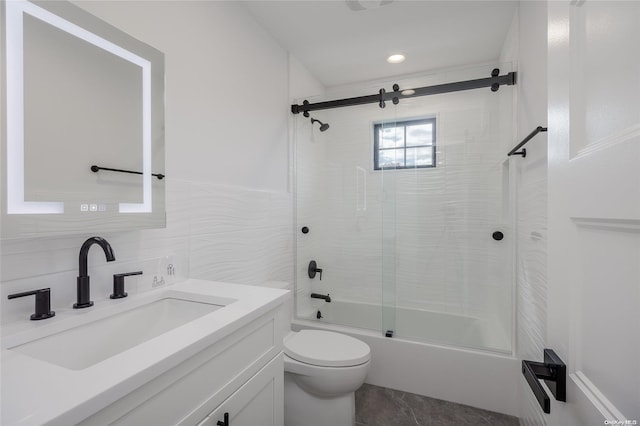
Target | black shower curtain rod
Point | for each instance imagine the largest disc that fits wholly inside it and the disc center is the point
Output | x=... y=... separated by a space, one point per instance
x=494 y=82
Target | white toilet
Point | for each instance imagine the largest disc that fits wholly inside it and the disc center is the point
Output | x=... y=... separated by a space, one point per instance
x=322 y=372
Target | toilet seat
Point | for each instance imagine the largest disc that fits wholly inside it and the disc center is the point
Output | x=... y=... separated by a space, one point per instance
x=326 y=349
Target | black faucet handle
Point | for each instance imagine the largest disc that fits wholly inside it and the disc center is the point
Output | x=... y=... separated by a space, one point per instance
x=118 y=284
x=313 y=270
x=43 y=303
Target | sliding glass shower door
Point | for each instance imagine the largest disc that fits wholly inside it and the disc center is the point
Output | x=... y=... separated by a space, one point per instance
x=407 y=213
x=339 y=200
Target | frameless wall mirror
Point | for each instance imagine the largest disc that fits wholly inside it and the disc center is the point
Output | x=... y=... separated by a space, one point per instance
x=83 y=124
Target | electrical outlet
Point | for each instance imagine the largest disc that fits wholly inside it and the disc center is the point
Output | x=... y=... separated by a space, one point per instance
x=172 y=268
x=158 y=281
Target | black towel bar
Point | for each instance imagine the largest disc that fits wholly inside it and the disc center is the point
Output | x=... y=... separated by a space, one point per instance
x=95 y=169
x=530 y=136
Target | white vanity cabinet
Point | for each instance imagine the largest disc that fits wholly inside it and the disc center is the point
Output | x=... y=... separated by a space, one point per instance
x=257 y=402
x=241 y=374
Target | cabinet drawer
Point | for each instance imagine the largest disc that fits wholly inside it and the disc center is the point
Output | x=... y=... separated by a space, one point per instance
x=259 y=402
x=200 y=383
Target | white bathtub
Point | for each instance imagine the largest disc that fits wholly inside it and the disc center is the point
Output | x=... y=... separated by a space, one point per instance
x=447 y=368
x=420 y=325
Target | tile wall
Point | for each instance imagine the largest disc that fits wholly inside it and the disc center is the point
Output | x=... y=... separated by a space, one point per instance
x=214 y=232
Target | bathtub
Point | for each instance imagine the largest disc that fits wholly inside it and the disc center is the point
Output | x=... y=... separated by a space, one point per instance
x=450 y=367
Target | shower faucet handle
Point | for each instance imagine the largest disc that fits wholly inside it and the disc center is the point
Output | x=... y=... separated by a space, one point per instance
x=313 y=269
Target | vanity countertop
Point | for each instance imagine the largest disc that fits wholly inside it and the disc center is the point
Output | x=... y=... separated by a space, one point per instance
x=35 y=392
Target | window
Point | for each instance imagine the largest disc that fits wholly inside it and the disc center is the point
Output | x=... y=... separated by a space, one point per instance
x=405 y=144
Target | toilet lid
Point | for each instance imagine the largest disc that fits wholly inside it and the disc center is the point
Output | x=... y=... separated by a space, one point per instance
x=326 y=349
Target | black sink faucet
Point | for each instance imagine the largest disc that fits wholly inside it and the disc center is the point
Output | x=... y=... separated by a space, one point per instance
x=83 y=279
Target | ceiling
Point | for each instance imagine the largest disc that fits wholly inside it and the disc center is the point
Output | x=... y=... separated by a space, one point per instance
x=339 y=45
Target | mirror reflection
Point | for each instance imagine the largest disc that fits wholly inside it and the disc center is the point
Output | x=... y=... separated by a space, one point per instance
x=80 y=93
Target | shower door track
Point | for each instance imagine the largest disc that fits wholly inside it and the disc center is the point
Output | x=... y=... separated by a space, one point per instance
x=494 y=82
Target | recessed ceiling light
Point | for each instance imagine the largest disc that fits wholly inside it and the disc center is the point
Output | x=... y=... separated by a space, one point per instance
x=395 y=59
x=358 y=5
x=408 y=92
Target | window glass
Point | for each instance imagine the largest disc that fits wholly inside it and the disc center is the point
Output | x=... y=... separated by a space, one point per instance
x=420 y=135
x=391 y=137
x=405 y=144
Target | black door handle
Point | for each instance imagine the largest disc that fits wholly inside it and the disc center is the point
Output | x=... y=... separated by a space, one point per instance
x=554 y=373
x=225 y=422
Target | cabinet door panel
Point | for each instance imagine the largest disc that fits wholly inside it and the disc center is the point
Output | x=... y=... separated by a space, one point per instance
x=257 y=402
x=196 y=387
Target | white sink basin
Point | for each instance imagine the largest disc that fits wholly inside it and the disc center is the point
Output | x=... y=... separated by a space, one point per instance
x=86 y=345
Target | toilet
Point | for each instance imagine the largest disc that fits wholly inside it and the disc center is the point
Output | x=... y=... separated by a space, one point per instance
x=322 y=371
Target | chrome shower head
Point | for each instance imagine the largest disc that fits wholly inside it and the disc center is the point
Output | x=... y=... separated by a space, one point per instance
x=323 y=126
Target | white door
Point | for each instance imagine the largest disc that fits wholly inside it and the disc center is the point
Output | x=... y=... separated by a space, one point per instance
x=594 y=209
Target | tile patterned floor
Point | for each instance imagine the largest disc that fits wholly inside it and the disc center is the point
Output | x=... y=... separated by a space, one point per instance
x=377 y=406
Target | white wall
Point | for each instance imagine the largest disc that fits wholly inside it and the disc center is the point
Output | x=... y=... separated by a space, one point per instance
x=529 y=48
x=226 y=91
x=229 y=211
